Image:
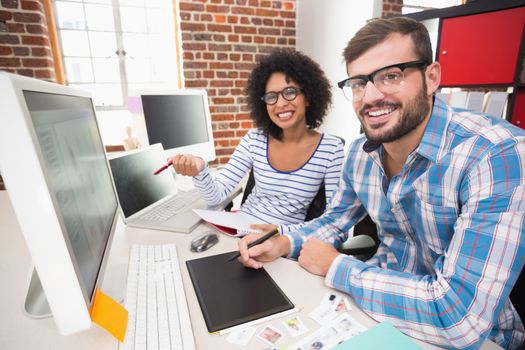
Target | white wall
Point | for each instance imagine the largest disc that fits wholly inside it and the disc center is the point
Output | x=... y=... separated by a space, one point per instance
x=324 y=27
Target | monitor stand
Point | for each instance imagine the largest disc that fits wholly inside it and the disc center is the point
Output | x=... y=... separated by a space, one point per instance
x=35 y=305
x=114 y=285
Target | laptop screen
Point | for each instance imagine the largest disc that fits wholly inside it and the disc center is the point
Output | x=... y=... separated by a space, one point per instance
x=137 y=186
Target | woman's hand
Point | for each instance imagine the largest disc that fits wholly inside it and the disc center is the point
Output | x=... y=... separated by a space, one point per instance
x=263 y=227
x=187 y=164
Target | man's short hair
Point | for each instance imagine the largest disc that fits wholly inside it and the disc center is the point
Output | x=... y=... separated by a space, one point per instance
x=379 y=29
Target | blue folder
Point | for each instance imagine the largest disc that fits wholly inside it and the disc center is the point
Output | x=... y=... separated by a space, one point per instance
x=381 y=336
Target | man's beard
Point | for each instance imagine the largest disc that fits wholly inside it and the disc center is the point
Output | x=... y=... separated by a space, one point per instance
x=415 y=111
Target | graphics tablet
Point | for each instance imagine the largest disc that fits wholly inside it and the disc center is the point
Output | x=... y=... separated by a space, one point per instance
x=230 y=294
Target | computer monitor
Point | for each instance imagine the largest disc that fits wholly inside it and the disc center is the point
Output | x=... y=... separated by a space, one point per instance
x=180 y=121
x=58 y=180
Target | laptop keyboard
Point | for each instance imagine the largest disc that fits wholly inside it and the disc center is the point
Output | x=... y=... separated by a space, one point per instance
x=179 y=203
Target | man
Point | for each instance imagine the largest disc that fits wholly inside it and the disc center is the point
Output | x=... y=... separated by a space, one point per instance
x=445 y=188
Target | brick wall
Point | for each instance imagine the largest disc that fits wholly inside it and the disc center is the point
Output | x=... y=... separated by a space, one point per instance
x=221 y=40
x=24 y=42
x=392 y=7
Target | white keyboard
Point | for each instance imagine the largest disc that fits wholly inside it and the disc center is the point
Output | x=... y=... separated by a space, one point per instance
x=158 y=314
x=175 y=205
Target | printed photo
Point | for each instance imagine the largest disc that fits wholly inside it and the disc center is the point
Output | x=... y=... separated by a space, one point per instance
x=295 y=326
x=270 y=334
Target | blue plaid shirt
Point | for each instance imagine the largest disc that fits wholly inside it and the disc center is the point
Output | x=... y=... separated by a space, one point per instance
x=451 y=227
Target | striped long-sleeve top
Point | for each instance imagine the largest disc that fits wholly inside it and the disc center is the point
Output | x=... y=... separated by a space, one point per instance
x=278 y=197
x=451 y=226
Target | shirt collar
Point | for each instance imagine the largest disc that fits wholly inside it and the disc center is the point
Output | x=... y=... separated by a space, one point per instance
x=370 y=146
x=433 y=136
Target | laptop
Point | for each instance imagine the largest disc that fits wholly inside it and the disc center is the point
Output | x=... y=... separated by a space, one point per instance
x=147 y=200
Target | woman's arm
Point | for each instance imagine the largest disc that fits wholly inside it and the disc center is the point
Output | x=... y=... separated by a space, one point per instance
x=333 y=171
x=215 y=189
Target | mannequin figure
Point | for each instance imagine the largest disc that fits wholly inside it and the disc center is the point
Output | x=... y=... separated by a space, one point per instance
x=130 y=142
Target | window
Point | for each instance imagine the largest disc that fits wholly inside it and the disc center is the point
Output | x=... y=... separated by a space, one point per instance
x=411 y=6
x=116 y=47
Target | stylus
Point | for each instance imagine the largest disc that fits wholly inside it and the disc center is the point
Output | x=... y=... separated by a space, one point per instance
x=257 y=241
x=162 y=168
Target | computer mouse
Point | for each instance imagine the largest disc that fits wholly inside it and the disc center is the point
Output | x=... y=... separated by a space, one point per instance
x=204 y=242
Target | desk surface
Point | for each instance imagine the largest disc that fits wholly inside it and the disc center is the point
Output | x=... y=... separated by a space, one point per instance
x=20 y=332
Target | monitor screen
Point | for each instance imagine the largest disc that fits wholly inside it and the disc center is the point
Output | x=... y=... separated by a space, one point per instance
x=77 y=174
x=180 y=121
x=59 y=183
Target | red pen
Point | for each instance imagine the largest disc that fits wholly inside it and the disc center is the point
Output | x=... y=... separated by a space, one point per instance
x=161 y=169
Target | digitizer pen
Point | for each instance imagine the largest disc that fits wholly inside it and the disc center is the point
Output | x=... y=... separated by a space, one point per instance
x=256 y=242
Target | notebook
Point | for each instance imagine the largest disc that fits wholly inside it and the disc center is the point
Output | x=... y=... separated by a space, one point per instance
x=458 y=99
x=475 y=101
x=235 y=224
x=230 y=294
x=496 y=103
x=147 y=200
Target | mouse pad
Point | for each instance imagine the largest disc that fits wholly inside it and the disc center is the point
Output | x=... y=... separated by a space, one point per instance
x=230 y=294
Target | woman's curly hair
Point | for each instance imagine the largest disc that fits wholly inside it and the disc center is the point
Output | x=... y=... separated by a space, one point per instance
x=302 y=70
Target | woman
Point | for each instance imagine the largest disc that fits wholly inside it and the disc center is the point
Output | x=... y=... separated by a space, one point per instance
x=289 y=96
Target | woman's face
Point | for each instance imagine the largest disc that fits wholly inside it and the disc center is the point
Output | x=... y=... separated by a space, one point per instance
x=286 y=114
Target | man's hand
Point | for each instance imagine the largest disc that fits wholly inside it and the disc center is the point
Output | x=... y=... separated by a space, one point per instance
x=256 y=256
x=316 y=256
x=187 y=164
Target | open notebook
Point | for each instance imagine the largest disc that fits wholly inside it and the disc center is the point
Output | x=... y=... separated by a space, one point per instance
x=232 y=223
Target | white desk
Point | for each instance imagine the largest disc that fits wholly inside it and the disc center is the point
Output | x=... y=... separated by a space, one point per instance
x=20 y=332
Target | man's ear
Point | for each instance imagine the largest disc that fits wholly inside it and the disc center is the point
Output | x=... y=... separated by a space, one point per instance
x=433 y=77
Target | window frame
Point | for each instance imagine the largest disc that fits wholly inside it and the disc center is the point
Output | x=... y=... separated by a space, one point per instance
x=59 y=58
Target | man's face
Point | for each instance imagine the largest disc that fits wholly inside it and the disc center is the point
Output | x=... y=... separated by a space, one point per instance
x=387 y=117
